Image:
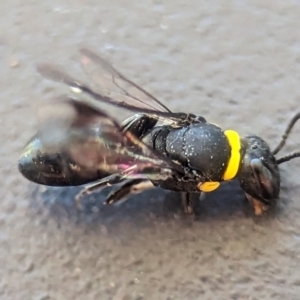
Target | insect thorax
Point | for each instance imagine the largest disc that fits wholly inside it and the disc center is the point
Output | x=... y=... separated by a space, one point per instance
x=204 y=148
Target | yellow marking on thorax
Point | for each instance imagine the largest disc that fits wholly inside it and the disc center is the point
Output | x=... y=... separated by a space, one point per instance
x=233 y=163
x=235 y=156
x=208 y=186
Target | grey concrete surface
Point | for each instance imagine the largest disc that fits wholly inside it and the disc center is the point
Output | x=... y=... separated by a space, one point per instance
x=236 y=63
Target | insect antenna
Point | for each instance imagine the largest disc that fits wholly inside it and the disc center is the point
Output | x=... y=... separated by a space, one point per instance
x=284 y=138
x=288 y=157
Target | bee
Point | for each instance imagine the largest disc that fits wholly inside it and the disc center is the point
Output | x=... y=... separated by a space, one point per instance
x=80 y=144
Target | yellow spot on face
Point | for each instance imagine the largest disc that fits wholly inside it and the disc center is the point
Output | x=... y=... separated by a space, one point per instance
x=235 y=157
x=208 y=186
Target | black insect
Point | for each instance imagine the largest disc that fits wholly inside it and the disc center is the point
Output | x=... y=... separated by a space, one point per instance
x=79 y=143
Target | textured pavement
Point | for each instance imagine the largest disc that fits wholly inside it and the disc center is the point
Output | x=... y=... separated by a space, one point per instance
x=236 y=64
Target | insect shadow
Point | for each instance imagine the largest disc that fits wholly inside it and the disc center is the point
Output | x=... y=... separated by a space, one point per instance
x=143 y=209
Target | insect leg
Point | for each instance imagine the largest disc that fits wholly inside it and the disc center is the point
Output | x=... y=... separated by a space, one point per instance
x=138 y=177
x=259 y=207
x=89 y=189
x=189 y=202
x=129 y=187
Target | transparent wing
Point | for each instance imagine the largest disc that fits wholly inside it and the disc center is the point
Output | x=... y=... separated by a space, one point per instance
x=115 y=85
x=94 y=142
x=109 y=80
